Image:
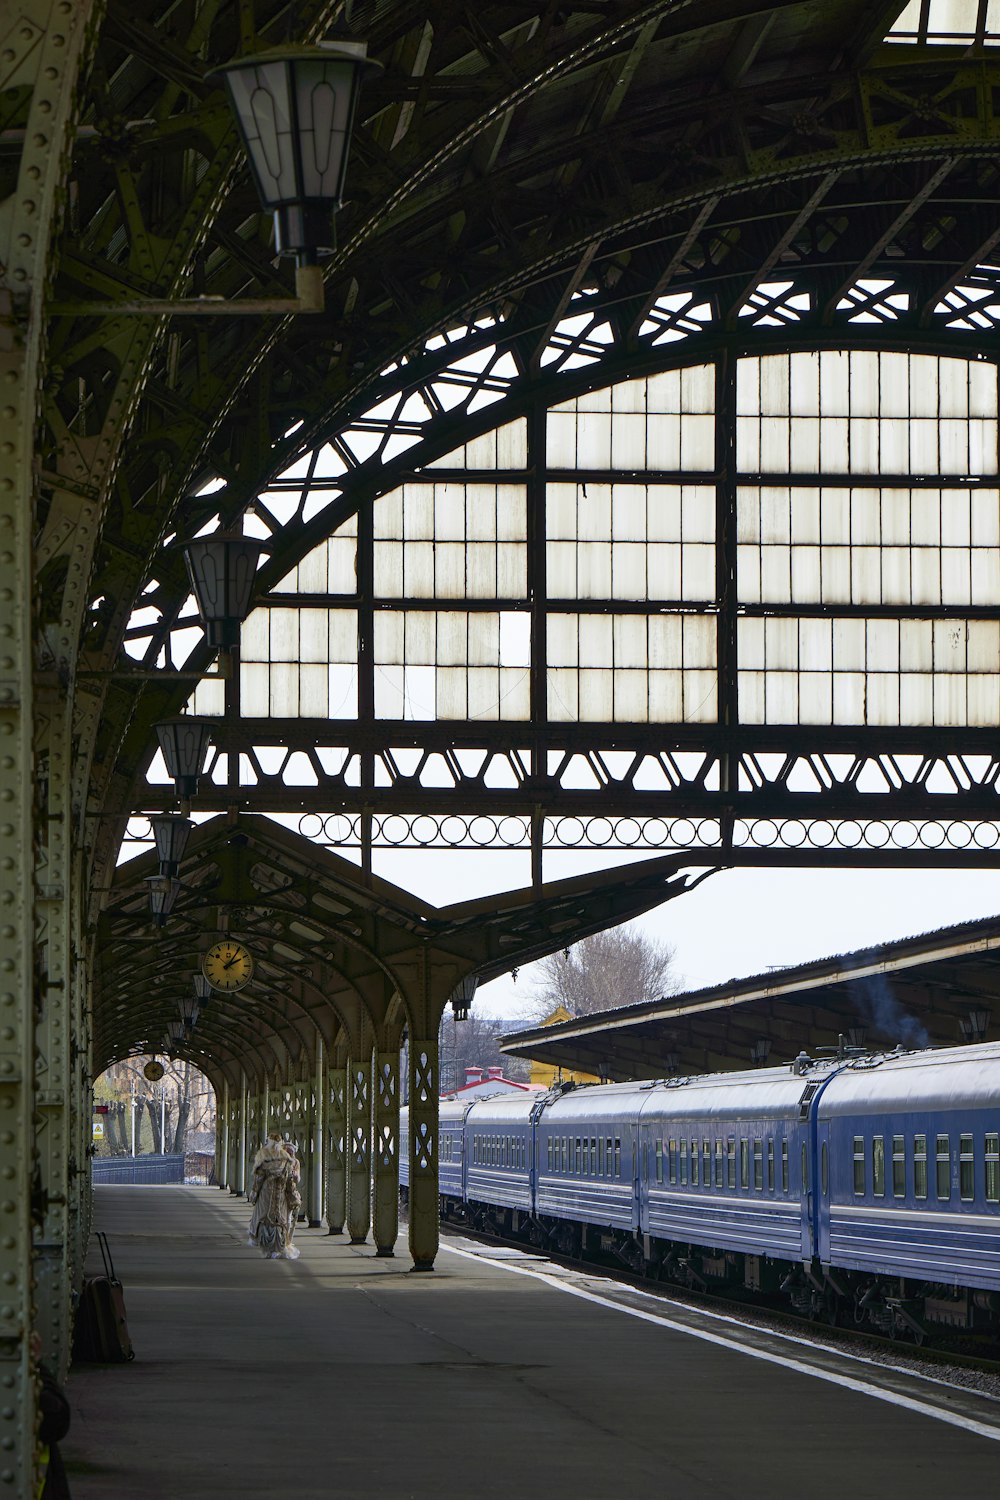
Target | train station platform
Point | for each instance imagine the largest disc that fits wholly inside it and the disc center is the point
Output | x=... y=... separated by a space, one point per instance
x=347 y=1377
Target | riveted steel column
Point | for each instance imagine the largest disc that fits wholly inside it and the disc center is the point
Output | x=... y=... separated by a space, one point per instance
x=53 y=1146
x=233 y=1154
x=316 y=1141
x=386 y=1225
x=359 y=1185
x=423 y=1101
x=222 y=1146
x=241 y=1138
x=336 y=1149
x=42 y=43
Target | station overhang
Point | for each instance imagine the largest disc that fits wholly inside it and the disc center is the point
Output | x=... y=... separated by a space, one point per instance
x=932 y=990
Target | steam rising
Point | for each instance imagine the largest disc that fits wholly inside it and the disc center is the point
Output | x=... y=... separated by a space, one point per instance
x=875 y=1003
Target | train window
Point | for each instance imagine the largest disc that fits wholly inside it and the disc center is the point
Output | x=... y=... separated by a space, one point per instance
x=659 y=1161
x=618 y=1156
x=878 y=1166
x=943 y=1168
x=718 y=1163
x=600 y=1156
x=770 y=1164
x=731 y=1161
x=784 y=1166
x=671 y=1161
x=549 y=1153
x=993 y=1169
x=824 y=1169
x=966 y=1169
x=899 y=1166
x=706 y=1162
x=805 y=1169
x=684 y=1163
x=744 y=1162
x=920 y=1166
x=577 y=1157
x=593 y=1156
x=694 y=1163
x=758 y=1163
x=859 y=1166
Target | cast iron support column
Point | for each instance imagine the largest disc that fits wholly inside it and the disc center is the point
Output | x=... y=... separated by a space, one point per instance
x=359 y=1188
x=241 y=1144
x=386 y=1224
x=336 y=1150
x=222 y=1126
x=424 y=1206
x=232 y=1171
x=316 y=1141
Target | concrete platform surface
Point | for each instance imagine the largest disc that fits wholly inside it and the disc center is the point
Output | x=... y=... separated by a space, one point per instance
x=347 y=1377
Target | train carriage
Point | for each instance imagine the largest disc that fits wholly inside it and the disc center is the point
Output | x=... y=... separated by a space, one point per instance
x=587 y=1156
x=909 y=1167
x=723 y=1163
x=498 y=1152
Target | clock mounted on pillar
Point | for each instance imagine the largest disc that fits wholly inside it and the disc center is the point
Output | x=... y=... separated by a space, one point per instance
x=228 y=966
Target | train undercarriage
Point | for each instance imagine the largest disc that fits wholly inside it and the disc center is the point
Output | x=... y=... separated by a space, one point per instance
x=890 y=1306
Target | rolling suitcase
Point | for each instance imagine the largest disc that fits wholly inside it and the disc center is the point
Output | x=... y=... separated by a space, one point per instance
x=101 y=1332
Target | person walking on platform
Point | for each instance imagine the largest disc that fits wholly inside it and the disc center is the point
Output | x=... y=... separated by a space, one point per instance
x=275 y=1196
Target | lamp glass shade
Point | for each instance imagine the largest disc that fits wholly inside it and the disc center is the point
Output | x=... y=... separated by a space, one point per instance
x=221 y=570
x=202 y=989
x=184 y=743
x=295 y=110
x=188 y=1007
x=462 y=996
x=171 y=835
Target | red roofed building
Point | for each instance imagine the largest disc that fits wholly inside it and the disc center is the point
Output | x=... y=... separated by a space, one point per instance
x=481 y=1083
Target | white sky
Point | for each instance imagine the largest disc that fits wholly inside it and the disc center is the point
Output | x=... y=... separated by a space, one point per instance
x=737 y=922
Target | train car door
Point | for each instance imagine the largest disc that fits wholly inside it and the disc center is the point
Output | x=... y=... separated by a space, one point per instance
x=822 y=1190
x=638 y=1155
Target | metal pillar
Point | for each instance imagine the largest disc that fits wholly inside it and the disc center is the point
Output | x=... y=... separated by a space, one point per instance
x=423 y=1100
x=222 y=1130
x=336 y=1149
x=54 y=1149
x=233 y=1155
x=316 y=1143
x=359 y=1186
x=386 y=1225
x=241 y=1141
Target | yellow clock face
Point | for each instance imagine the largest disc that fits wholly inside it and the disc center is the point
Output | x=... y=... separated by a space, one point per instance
x=228 y=966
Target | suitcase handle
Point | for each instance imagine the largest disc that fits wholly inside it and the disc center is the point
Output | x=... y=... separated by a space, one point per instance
x=109 y=1265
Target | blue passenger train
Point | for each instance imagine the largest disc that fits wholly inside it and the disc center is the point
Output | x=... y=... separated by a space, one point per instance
x=865 y=1187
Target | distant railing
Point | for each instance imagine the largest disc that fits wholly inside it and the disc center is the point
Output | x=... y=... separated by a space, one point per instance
x=150 y=1169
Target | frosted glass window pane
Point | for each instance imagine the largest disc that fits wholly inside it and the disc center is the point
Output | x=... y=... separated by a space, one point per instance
x=420 y=638
x=748 y=574
x=955 y=576
x=628 y=571
x=666 y=697
x=848 y=698
x=449 y=512
x=700 y=641
x=451 y=694
x=985 y=518
x=985 y=577
x=515 y=693
x=284 y=694
x=628 y=444
x=782 y=697
x=563 y=648
x=883 y=700
x=561 y=565
x=596 y=641
x=698 y=573
x=916 y=646
x=284 y=635
x=342 y=691
x=255 y=636
x=452 y=639
x=313 y=572
x=342 y=569
x=418 y=570
x=630 y=643
x=628 y=513
x=389 y=701
x=663 y=443
x=815 y=645
x=815 y=698
x=594 y=570
x=254 y=696
x=594 y=513
x=482 y=690
x=807 y=576
x=480 y=572
x=593 y=441
x=313 y=631
x=665 y=641
x=596 y=696
x=314 y=697
x=925 y=574
x=449 y=567
x=562 y=694
x=418 y=513
x=631 y=702
x=387 y=516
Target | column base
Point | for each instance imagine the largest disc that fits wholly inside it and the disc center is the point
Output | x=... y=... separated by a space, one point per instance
x=422 y=1265
x=359 y=1239
x=331 y=1230
x=385 y=1252
x=315 y=1223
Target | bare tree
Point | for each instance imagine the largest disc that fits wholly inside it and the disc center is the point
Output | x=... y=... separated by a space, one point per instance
x=620 y=966
x=473 y=1044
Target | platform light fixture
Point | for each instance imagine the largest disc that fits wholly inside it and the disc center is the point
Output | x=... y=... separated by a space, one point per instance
x=171 y=833
x=294 y=108
x=462 y=996
x=184 y=743
x=855 y=1035
x=760 y=1051
x=188 y=1007
x=221 y=569
x=975 y=1025
x=163 y=891
x=202 y=989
